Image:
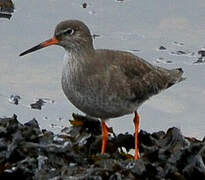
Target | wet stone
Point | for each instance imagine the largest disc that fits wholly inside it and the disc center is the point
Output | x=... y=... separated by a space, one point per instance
x=202 y=53
x=33 y=123
x=178 y=43
x=28 y=152
x=84 y=5
x=201 y=59
x=139 y=168
x=158 y=135
x=162 y=48
x=38 y=104
x=125 y=140
x=179 y=53
x=195 y=169
x=14 y=99
x=169 y=61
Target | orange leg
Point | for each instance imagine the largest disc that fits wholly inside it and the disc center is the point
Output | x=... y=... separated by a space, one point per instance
x=104 y=136
x=136 y=122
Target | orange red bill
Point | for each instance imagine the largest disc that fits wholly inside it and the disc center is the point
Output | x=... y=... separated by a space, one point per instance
x=49 y=42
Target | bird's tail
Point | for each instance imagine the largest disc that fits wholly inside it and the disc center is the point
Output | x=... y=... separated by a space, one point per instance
x=175 y=76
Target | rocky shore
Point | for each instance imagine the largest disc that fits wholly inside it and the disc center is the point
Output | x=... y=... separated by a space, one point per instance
x=28 y=152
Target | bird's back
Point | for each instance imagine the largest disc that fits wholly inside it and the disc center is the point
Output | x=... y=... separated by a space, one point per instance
x=134 y=78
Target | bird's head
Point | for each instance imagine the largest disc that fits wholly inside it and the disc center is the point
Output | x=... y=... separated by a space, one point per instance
x=73 y=35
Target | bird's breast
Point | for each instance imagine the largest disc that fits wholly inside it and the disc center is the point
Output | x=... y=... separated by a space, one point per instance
x=91 y=93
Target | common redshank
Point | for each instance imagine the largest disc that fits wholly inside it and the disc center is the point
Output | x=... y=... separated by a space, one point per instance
x=105 y=83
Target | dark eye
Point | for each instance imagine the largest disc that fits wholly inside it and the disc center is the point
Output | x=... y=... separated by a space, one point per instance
x=69 y=31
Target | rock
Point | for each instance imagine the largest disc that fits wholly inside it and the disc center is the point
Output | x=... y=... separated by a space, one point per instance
x=179 y=53
x=178 y=43
x=84 y=5
x=14 y=99
x=138 y=168
x=27 y=152
x=38 y=104
x=201 y=52
x=162 y=48
x=201 y=59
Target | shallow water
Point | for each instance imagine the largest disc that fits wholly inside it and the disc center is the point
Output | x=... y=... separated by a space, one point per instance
x=140 y=27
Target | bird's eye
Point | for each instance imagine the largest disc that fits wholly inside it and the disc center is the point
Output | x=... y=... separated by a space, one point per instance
x=69 y=31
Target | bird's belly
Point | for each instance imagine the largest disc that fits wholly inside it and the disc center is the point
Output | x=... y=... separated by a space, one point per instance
x=95 y=103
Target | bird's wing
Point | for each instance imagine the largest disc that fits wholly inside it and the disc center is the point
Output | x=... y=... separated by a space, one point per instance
x=135 y=79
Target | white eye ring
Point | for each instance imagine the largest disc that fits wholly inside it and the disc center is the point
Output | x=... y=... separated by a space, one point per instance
x=69 y=31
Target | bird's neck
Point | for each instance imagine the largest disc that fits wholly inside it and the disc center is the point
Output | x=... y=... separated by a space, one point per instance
x=82 y=52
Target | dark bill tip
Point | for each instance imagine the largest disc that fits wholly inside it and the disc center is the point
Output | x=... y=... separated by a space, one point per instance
x=49 y=42
x=31 y=50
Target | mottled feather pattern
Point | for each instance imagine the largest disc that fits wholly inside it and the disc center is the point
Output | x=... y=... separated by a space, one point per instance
x=111 y=83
